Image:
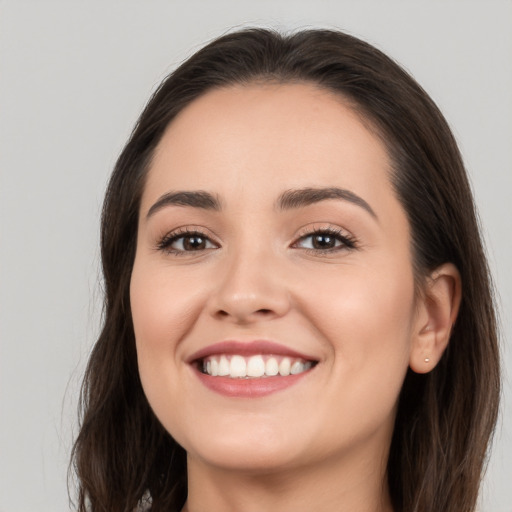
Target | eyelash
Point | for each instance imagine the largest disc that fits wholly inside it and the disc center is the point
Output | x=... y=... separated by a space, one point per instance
x=166 y=242
x=347 y=241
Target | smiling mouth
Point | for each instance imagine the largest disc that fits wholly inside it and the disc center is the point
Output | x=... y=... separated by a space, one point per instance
x=235 y=366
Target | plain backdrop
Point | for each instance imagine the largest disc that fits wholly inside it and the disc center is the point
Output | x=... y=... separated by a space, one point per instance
x=73 y=78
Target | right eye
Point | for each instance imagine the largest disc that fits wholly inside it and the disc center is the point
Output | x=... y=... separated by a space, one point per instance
x=183 y=242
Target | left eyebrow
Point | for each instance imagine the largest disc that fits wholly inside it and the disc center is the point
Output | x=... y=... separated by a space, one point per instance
x=299 y=198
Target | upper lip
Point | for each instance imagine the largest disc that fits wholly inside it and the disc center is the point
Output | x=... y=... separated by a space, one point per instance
x=247 y=348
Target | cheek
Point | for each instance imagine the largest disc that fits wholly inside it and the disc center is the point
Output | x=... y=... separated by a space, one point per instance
x=162 y=305
x=162 y=315
x=365 y=315
x=365 y=319
x=376 y=314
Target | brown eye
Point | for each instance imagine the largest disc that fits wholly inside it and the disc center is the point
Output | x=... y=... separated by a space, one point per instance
x=324 y=241
x=180 y=243
x=194 y=243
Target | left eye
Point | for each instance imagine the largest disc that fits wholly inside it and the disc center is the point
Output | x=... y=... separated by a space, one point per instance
x=324 y=241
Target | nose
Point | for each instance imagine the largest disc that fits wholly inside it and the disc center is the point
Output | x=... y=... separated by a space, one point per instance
x=250 y=288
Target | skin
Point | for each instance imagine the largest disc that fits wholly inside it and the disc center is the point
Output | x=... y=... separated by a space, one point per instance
x=323 y=443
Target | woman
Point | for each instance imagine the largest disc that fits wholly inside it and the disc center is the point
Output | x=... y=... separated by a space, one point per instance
x=298 y=310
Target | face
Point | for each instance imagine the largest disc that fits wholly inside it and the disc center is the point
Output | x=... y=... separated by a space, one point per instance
x=272 y=291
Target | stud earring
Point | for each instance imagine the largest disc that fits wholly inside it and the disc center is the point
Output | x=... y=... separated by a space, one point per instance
x=427 y=359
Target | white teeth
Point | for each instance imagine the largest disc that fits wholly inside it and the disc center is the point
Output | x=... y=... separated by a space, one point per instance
x=297 y=367
x=272 y=367
x=284 y=367
x=214 y=367
x=223 y=366
x=255 y=366
x=238 y=366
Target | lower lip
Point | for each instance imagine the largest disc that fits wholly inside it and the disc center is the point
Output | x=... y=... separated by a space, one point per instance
x=249 y=388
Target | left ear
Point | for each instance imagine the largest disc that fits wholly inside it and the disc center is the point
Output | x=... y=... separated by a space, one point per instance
x=436 y=313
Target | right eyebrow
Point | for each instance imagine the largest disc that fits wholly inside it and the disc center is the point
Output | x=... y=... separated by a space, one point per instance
x=195 y=199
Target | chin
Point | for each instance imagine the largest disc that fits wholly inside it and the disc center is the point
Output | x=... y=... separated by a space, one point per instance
x=255 y=459
x=260 y=448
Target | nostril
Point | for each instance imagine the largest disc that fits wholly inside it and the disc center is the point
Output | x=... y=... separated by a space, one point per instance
x=266 y=312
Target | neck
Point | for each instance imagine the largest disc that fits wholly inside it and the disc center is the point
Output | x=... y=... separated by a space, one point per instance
x=359 y=483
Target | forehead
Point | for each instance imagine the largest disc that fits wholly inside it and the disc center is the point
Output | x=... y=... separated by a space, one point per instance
x=271 y=137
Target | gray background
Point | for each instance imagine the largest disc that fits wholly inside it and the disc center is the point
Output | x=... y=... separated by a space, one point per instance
x=73 y=78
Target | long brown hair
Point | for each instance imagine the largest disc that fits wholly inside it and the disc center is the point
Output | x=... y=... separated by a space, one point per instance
x=445 y=418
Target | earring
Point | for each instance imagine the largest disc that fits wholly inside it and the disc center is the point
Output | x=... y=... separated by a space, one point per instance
x=427 y=359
